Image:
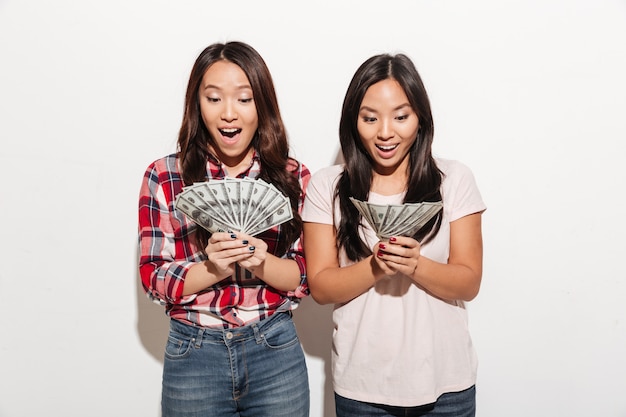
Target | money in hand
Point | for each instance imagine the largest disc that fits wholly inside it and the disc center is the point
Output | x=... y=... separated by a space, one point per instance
x=248 y=205
x=397 y=219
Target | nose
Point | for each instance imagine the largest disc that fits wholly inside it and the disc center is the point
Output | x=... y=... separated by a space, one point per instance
x=229 y=112
x=385 y=130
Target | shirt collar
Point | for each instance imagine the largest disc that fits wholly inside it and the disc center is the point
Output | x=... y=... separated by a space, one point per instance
x=216 y=166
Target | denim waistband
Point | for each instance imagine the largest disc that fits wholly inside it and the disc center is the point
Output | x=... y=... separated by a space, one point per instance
x=251 y=330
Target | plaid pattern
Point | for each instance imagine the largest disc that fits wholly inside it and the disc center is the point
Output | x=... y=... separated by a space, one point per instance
x=167 y=253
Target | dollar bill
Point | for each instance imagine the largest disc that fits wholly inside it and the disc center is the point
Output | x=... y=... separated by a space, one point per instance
x=397 y=219
x=244 y=204
x=201 y=213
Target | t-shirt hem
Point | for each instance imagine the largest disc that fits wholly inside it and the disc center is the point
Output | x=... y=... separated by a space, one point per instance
x=403 y=402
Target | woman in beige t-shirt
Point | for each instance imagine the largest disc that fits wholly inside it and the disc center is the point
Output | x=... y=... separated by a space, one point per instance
x=401 y=345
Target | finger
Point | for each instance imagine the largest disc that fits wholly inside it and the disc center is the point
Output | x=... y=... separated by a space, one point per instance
x=407 y=242
x=227 y=244
x=239 y=252
x=408 y=248
x=380 y=262
x=259 y=244
x=222 y=237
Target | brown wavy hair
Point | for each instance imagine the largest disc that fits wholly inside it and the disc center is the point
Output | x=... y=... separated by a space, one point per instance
x=424 y=177
x=270 y=141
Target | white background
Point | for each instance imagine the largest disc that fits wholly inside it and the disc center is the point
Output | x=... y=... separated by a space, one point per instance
x=530 y=94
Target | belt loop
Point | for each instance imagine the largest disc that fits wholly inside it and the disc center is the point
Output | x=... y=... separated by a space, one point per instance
x=199 y=338
x=258 y=336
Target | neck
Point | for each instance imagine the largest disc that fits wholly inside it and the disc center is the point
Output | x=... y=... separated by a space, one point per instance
x=236 y=165
x=389 y=184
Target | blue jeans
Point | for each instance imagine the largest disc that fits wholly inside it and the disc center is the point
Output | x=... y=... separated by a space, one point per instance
x=252 y=371
x=453 y=404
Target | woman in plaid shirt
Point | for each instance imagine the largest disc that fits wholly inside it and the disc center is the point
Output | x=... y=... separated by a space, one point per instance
x=232 y=348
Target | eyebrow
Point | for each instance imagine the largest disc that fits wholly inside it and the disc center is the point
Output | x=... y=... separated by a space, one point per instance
x=400 y=107
x=239 y=87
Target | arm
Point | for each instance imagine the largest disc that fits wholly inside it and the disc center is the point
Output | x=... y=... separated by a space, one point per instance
x=161 y=267
x=225 y=250
x=284 y=274
x=459 y=278
x=328 y=282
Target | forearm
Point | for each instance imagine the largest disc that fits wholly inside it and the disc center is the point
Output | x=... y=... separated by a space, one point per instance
x=341 y=284
x=199 y=277
x=280 y=273
x=460 y=277
x=448 y=281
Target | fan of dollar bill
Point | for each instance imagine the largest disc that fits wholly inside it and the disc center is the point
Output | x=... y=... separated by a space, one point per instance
x=248 y=205
x=397 y=219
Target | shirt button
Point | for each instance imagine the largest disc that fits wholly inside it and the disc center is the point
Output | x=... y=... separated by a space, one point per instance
x=229 y=335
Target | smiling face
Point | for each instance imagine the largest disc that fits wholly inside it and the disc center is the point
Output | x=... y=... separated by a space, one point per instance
x=229 y=113
x=387 y=125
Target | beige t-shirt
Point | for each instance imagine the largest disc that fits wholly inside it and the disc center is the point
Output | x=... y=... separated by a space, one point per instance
x=395 y=344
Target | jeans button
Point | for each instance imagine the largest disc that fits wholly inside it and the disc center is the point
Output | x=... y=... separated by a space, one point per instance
x=229 y=335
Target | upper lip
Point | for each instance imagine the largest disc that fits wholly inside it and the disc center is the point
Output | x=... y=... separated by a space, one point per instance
x=229 y=132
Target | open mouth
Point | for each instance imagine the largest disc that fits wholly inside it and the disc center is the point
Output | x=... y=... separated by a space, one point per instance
x=387 y=148
x=230 y=133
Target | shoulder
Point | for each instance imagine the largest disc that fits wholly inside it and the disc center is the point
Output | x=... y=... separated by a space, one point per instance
x=299 y=171
x=461 y=194
x=455 y=172
x=452 y=167
x=168 y=163
x=324 y=181
x=297 y=167
x=319 y=196
x=163 y=170
x=328 y=174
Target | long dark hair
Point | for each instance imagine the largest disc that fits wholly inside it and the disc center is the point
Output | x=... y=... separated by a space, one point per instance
x=270 y=141
x=424 y=178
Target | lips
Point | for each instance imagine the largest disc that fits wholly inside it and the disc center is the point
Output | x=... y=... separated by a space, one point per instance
x=230 y=132
x=387 y=148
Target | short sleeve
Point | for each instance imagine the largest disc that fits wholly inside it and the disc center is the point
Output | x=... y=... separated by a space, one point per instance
x=318 y=203
x=460 y=193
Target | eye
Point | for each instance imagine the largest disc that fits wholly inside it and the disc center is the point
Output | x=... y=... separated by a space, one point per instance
x=246 y=100
x=368 y=119
x=403 y=117
x=212 y=99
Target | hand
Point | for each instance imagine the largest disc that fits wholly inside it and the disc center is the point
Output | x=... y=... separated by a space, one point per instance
x=258 y=253
x=400 y=254
x=225 y=249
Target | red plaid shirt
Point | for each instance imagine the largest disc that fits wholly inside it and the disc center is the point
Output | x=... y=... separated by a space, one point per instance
x=167 y=253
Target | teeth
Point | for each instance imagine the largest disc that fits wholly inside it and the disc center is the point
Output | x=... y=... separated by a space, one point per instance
x=387 y=148
x=233 y=130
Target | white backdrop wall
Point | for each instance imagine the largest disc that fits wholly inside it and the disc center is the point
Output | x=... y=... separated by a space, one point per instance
x=530 y=94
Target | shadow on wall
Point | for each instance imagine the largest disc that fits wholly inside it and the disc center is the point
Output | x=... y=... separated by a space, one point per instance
x=314 y=324
x=315 y=330
x=152 y=323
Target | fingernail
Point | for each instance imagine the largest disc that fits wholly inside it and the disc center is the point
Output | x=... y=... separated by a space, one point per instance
x=220 y=230
x=234 y=236
x=392 y=239
x=251 y=248
x=382 y=246
x=380 y=253
x=244 y=242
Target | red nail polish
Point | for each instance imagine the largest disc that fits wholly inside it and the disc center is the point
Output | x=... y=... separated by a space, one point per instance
x=382 y=246
x=380 y=253
x=392 y=239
